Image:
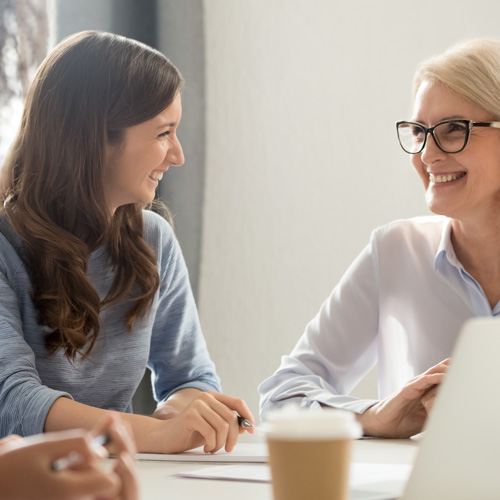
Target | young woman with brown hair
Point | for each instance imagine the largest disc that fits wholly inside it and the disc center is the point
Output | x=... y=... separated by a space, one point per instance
x=94 y=288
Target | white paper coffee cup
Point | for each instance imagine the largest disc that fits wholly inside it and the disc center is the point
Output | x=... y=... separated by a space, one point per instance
x=310 y=452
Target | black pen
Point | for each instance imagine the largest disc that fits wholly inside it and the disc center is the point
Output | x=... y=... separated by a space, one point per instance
x=244 y=422
x=74 y=458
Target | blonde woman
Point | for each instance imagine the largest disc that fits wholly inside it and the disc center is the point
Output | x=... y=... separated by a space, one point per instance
x=402 y=302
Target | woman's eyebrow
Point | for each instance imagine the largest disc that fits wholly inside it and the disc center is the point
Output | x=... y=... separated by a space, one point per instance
x=166 y=124
x=453 y=117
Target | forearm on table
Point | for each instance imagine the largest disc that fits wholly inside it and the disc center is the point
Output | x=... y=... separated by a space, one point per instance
x=150 y=433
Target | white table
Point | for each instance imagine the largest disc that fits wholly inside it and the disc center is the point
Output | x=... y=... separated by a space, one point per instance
x=158 y=480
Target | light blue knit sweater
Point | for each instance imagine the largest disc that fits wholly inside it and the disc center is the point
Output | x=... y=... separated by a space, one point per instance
x=168 y=340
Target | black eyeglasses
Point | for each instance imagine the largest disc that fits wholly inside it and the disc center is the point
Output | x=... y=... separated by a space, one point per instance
x=450 y=136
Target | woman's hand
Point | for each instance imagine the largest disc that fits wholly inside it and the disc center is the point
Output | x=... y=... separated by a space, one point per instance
x=123 y=446
x=26 y=469
x=404 y=413
x=26 y=466
x=195 y=418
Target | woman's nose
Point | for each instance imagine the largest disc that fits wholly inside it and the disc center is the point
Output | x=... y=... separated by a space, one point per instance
x=175 y=155
x=431 y=153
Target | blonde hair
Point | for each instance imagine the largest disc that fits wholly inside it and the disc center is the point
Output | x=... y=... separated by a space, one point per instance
x=471 y=69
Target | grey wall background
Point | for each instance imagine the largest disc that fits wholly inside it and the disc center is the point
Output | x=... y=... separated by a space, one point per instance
x=291 y=154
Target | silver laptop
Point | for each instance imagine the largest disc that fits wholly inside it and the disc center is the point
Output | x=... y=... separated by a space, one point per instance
x=459 y=455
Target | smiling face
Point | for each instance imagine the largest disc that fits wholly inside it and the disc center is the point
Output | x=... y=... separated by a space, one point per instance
x=135 y=166
x=465 y=184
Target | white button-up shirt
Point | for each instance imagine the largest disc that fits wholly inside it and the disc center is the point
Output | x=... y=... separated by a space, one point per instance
x=401 y=304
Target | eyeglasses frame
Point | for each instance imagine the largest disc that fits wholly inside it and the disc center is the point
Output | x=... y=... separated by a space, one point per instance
x=470 y=124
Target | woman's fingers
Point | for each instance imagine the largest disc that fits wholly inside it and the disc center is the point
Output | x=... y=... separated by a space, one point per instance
x=214 y=416
x=121 y=438
x=417 y=387
x=124 y=430
x=11 y=442
x=236 y=404
x=195 y=422
x=429 y=398
x=222 y=419
x=210 y=419
x=126 y=471
x=403 y=414
x=203 y=418
x=439 y=368
x=68 y=464
x=227 y=408
x=92 y=481
x=59 y=446
x=122 y=444
x=119 y=433
x=221 y=430
x=87 y=480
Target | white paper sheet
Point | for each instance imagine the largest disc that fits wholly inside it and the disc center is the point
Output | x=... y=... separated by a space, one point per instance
x=243 y=452
x=254 y=473
x=362 y=475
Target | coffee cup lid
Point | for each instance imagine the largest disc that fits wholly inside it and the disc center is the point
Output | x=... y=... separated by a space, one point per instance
x=293 y=422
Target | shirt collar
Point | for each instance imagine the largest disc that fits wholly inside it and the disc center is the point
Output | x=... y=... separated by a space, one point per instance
x=445 y=249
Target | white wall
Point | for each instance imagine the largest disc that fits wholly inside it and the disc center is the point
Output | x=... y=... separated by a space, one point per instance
x=302 y=157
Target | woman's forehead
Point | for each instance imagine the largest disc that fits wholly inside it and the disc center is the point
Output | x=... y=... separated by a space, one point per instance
x=435 y=102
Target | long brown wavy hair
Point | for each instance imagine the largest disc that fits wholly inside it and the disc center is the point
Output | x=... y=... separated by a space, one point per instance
x=88 y=90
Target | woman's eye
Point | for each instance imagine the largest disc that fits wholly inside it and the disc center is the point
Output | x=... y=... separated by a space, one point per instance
x=163 y=134
x=417 y=132
x=455 y=127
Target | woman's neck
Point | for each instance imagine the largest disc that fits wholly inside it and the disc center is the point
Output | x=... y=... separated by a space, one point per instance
x=477 y=247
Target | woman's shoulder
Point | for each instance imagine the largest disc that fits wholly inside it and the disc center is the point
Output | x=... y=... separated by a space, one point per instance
x=155 y=223
x=158 y=233
x=423 y=230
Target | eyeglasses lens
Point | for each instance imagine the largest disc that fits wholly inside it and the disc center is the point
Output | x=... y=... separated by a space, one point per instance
x=411 y=136
x=451 y=136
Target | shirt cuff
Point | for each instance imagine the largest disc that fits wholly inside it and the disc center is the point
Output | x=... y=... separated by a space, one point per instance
x=202 y=386
x=346 y=403
x=36 y=413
